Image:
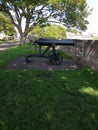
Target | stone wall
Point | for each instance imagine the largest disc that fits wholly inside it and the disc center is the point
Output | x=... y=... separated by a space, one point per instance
x=75 y=51
x=90 y=56
x=85 y=52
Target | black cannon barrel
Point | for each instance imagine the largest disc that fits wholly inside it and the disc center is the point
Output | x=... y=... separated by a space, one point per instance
x=47 y=41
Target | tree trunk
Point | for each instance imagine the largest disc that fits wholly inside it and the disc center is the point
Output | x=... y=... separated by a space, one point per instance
x=23 y=36
x=22 y=39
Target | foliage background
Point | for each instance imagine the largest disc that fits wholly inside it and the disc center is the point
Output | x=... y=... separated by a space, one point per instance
x=51 y=31
x=6 y=25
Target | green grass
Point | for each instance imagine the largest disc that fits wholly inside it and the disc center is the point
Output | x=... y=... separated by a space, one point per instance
x=46 y=100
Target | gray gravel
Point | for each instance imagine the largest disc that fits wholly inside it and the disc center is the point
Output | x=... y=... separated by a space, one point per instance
x=41 y=64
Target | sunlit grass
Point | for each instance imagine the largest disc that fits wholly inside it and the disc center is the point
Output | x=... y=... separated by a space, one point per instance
x=46 y=100
x=89 y=90
x=14 y=52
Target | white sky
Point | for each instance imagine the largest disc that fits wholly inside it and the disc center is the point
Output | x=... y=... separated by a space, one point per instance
x=93 y=18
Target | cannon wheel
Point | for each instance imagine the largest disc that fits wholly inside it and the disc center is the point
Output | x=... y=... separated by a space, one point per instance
x=56 y=59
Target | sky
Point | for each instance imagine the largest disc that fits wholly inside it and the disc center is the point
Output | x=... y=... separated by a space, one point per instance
x=93 y=18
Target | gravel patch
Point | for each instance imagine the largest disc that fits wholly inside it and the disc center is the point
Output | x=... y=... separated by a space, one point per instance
x=41 y=64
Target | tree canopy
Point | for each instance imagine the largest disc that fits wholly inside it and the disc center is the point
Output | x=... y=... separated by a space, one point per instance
x=6 y=25
x=52 y=31
x=71 y=13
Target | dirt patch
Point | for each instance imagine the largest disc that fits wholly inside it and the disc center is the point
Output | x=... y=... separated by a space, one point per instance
x=41 y=64
x=7 y=45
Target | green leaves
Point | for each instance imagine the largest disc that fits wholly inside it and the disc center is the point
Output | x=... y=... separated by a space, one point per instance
x=52 y=31
x=6 y=25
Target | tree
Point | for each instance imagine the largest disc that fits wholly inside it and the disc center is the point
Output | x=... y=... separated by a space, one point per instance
x=55 y=31
x=71 y=13
x=6 y=25
x=72 y=30
x=52 y=31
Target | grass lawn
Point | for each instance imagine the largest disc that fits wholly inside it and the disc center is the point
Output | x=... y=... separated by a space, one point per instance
x=46 y=100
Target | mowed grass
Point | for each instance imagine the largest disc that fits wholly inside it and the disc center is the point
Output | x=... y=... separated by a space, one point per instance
x=46 y=100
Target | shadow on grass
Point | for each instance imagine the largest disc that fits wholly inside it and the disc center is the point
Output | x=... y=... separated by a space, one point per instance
x=44 y=100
